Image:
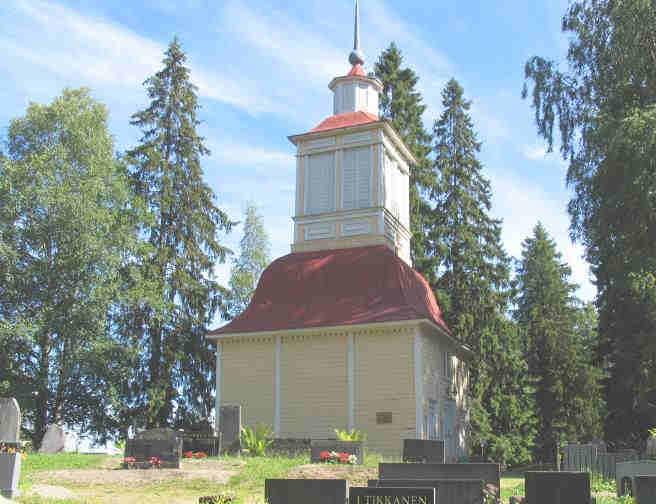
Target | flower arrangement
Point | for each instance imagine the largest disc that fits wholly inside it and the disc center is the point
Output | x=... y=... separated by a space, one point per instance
x=197 y=455
x=10 y=450
x=155 y=462
x=332 y=457
x=129 y=462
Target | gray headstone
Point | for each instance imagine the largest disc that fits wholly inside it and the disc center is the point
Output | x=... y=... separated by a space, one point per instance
x=416 y=495
x=446 y=491
x=10 y=420
x=557 y=487
x=625 y=472
x=488 y=472
x=230 y=426
x=304 y=491
x=54 y=440
x=423 y=450
x=644 y=489
x=10 y=465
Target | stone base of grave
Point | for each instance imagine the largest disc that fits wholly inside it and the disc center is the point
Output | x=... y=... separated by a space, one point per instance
x=10 y=465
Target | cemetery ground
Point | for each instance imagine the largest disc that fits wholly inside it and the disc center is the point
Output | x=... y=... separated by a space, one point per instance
x=70 y=478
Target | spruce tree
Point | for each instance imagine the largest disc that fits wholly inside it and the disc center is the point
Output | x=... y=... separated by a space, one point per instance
x=402 y=105
x=567 y=384
x=473 y=282
x=248 y=267
x=175 y=378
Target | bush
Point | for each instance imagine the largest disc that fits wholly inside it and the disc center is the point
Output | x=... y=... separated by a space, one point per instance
x=256 y=441
x=352 y=435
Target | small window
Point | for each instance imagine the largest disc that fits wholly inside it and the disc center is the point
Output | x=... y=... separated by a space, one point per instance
x=383 y=417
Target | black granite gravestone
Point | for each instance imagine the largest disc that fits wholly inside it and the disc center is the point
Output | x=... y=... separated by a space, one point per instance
x=165 y=444
x=645 y=489
x=423 y=450
x=392 y=495
x=305 y=491
x=450 y=491
x=557 y=487
x=488 y=472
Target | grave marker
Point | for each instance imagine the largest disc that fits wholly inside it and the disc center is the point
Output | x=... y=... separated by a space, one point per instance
x=230 y=427
x=305 y=491
x=423 y=450
x=165 y=444
x=392 y=495
x=450 y=491
x=10 y=420
x=54 y=440
x=557 y=487
x=645 y=489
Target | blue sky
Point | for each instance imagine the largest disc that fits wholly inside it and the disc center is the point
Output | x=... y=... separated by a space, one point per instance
x=263 y=67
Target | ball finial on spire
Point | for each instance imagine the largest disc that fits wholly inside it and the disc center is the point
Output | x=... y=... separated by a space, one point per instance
x=356 y=57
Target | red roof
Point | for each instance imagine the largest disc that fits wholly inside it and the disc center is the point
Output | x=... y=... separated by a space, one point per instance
x=357 y=71
x=345 y=120
x=336 y=287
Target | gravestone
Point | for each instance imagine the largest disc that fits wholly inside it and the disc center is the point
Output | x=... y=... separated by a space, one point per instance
x=10 y=421
x=392 y=495
x=10 y=464
x=230 y=427
x=446 y=491
x=54 y=441
x=163 y=443
x=557 y=487
x=305 y=491
x=200 y=438
x=644 y=489
x=626 y=471
x=488 y=472
x=423 y=450
x=322 y=445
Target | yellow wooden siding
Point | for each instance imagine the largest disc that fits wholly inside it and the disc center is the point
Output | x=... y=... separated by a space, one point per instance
x=248 y=378
x=384 y=382
x=313 y=386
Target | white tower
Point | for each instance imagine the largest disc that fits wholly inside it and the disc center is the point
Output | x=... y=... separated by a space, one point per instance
x=352 y=171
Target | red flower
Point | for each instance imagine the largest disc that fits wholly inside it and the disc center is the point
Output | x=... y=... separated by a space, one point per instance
x=188 y=454
x=200 y=455
x=344 y=458
x=324 y=455
x=129 y=460
x=155 y=461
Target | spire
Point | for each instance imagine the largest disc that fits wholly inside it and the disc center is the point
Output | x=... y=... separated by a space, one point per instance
x=356 y=57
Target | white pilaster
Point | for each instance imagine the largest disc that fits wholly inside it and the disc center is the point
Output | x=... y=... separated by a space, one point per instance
x=276 y=418
x=350 y=370
x=419 y=385
x=217 y=395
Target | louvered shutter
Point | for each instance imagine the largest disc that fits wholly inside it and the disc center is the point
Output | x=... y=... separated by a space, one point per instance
x=356 y=178
x=364 y=177
x=321 y=183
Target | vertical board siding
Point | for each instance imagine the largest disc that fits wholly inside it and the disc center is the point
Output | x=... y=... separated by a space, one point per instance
x=313 y=386
x=248 y=379
x=384 y=382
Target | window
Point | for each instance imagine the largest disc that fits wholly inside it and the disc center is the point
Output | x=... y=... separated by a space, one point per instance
x=356 y=178
x=320 y=183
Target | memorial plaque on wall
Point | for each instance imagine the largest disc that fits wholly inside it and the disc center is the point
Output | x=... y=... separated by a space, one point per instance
x=391 y=495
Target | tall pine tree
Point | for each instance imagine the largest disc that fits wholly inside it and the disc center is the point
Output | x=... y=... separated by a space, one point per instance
x=567 y=384
x=402 y=104
x=473 y=283
x=174 y=382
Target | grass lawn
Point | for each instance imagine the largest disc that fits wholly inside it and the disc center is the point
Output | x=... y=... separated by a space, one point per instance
x=96 y=479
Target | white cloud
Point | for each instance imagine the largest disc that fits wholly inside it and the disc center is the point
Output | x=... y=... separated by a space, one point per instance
x=240 y=154
x=534 y=152
x=93 y=51
x=521 y=204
